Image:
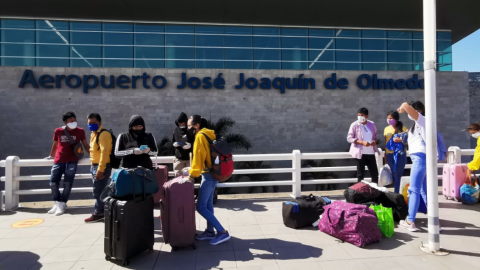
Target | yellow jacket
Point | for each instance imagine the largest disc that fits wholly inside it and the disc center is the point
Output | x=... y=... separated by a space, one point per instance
x=475 y=164
x=201 y=161
x=100 y=153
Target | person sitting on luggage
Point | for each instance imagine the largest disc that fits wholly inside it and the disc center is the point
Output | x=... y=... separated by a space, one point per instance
x=182 y=143
x=100 y=159
x=201 y=163
x=363 y=137
x=396 y=160
x=136 y=146
x=474 y=130
x=418 y=174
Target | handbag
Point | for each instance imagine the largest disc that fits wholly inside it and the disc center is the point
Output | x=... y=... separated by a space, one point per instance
x=385 y=219
x=76 y=147
x=131 y=182
x=469 y=191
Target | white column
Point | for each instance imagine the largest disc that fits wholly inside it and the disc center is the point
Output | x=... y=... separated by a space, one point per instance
x=11 y=201
x=430 y=62
x=297 y=174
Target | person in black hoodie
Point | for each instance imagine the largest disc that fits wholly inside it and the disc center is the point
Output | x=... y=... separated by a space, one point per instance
x=129 y=143
x=183 y=144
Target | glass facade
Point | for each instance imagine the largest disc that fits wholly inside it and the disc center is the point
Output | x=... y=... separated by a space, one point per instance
x=104 y=44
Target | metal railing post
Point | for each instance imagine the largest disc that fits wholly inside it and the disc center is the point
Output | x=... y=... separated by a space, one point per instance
x=11 y=201
x=297 y=174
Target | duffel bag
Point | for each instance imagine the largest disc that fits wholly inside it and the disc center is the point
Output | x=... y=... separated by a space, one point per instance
x=396 y=202
x=361 y=193
x=130 y=182
x=303 y=211
x=352 y=223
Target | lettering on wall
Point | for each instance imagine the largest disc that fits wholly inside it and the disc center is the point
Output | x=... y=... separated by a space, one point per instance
x=282 y=84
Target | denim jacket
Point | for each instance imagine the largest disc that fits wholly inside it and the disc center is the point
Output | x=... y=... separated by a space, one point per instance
x=355 y=133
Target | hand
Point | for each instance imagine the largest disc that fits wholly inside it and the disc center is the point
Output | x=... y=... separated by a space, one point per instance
x=175 y=144
x=365 y=143
x=397 y=140
x=137 y=151
x=49 y=158
x=402 y=107
x=374 y=143
x=187 y=146
x=99 y=176
x=146 y=150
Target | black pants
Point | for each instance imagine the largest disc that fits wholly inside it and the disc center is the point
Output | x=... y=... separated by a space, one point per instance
x=371 y=163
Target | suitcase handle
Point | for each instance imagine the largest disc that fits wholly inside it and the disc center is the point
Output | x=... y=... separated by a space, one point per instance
x=117 y=231
x=330 y=220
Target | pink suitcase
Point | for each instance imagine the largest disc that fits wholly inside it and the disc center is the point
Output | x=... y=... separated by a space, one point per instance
x=178 y=214
x=454 y=176
x=161 y=173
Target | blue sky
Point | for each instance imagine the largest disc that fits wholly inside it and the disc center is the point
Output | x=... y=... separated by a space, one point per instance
x=466 y=53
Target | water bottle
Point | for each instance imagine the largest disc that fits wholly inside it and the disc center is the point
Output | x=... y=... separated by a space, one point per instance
x=217 y=161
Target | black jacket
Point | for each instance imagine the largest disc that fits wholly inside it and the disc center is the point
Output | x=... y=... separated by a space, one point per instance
x=180 y=135
x=128 y=141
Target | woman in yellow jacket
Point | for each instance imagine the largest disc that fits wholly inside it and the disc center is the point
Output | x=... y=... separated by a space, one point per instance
x=201 y=163
x=474 y=130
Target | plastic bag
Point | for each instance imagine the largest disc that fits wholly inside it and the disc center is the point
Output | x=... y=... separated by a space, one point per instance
x=385 y=219
x=386 y=177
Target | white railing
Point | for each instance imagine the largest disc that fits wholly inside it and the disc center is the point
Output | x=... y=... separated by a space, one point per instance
x=13 y=164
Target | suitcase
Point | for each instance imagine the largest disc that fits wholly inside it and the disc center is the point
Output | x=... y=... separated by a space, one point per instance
x=161 y=173
x=454 y=176
x=178 y=214
x=360 y=193
x=303 y=211
x=129 y=227
x=352 y=223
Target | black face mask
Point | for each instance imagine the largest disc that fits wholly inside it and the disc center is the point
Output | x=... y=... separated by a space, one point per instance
x=191 y=131
x=137 y=132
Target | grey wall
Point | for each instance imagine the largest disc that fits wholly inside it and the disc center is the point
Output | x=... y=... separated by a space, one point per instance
x=474 y=87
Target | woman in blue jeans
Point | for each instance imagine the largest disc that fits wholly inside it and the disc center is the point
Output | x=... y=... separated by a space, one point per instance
x=201 y=163
x=417 y=148
x=396 y=159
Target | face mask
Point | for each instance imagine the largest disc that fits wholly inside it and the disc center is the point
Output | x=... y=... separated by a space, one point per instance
x=361 y=119
x=72 y=125
x=391 y=122
x=476 y=135
x=137 y=132
x=93 y=127
x=191 y=131
x=183 y=127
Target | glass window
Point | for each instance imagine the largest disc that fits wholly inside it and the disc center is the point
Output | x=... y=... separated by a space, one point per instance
x=400 y=57
x=266 y=54
x=238 y=30
x=444 y=58
x=321 y=60
x=400 y=67
x=321 y=32
x=417 y=34
x=266 y=31
x=149 y=28
x=418 y=45
x=444 y=68
x=291 y=42
x=267 y=65
x=301 y=32
x=348 y=56
x=347 y=44
x=348 y=33
x=116 y=45
x=321 y=66
x=374 y=44
x=81 y=56
x=418 y=67
x=400 y=34
x=374 y=56
x=294 y=65
x=374 y=66
x=209 y=41
x=295 y=55
x=17 y=43
x=266 y=42
x=444 y=35
x=374 y=34
x=202 y=54
x=238 y=41
x=209 y=29
x=238 y=54
x=208 y=64
x=418 y=57
x=184 y=57
x=149 y=48
x=400 y=45
x=50 y=32
x=348 y=66
x=444 y=46
x=321 y=43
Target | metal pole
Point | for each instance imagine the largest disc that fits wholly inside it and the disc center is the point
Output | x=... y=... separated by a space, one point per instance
x=430 y=56
x=297 y=174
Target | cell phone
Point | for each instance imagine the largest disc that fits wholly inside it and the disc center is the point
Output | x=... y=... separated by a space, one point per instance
x=179 y=143
x=143 y=147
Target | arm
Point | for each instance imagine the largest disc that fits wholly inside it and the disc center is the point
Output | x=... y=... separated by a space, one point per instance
x=86 y=146
x=374 y=142
x=105 y=142
x=54 y=148
x=199 y=155
x=120 y=150
x=351 y=137
x=152 y=144
x=405 y=107
x=475 y=164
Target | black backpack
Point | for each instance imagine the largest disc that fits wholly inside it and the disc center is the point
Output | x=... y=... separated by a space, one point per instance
x=114 y=162
x=303 y=211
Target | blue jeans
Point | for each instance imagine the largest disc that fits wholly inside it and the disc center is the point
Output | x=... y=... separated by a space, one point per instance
x=69 y=170
x=397 y=175
x=205 y=202
x=418 y=184
x=98 y=186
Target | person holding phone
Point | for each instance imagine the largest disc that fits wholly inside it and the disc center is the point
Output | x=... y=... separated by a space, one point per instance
x=363 y=138
x=182 y=142
x=136 y=146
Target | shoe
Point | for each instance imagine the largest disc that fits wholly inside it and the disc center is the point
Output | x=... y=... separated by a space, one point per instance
x=54 y=208
x=220 y=238
x=60 y=208
x=206 y=235
x=409 y=226
x=94 y=218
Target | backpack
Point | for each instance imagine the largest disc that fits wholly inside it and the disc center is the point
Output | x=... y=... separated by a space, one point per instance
x=222 y=159
x=303 y=211
x=76 y=147
x=114 y=162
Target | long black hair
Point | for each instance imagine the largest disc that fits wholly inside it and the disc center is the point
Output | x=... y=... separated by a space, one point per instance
x=399 y=125
x=197 y=119
x=420 y=108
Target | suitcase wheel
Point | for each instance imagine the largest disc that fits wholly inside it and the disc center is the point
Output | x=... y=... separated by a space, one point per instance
x=125 y=263
x=175 y=248
x=194 y=246
x=107 y=258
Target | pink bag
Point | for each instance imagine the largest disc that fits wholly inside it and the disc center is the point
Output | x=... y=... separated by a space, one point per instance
x=352 y=223
x=454 y=176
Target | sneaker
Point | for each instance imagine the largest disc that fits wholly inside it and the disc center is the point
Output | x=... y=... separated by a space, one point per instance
x=220 y=238
x=61 y=206
x=409 y=226
x=206 y=235
x=94 y=218
x=54 y=208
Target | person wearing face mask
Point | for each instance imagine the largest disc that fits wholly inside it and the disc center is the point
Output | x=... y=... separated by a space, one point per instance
x=182 y=143
x=129 y=143
x=201 y=163
x=474 y=130
x=396 y=160
x=418 y=175
x=64 y=161
x=363 y=138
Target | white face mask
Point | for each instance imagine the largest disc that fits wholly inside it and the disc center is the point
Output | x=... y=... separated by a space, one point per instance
x=361 y=119
x=72 y=125
x=476 y=135
x=183 y=127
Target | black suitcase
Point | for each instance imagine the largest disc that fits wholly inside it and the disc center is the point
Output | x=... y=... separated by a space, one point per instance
x=129 y=227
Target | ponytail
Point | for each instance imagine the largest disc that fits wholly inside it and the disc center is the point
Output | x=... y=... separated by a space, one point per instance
x=197 y=119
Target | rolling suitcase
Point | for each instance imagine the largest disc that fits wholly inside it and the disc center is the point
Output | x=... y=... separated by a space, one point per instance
x=178 y=214
x=129 y=227
x=161 y=173
x=454 y=176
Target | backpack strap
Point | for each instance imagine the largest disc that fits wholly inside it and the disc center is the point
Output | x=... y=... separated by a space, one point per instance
x=208 y=139
x=98 y=137
x=69 y=137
